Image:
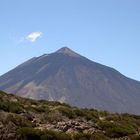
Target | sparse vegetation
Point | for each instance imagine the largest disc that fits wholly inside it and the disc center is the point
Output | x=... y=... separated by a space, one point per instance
x=43 y=120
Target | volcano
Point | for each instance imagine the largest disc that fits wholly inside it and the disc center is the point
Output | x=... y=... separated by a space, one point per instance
x=66 y=76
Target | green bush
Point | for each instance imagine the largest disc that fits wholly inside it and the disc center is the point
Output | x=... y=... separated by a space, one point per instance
x=88 y=114
x=33 y=134
x=15 y=108
x=135 y=137
x=29 y=133
x=115 y=129
x=11 y=107
x=99 y=136
x=2 y=93
x=105 y=125
x=62 y=136
x=47 y=137
x=81 y=136
x=68 y=112
x=17 y=120
x=4 y=106
x=119 y=131
x=79 y=113
x=95 y=136
x=41 y=109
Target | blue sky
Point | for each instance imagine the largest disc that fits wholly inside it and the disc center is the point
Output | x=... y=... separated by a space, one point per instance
x=105 y=31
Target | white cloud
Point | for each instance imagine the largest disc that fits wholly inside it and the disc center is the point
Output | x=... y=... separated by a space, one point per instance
x=32 y=37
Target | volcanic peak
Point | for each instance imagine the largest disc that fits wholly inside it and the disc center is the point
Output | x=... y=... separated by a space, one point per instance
x=67 y=51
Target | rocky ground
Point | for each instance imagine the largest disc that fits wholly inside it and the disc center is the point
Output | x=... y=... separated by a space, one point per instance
x=26 y=119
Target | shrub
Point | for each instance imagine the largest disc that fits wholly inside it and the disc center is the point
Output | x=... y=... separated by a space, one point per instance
x=81 y=136
x=15 y=108
x=105 y=125
x=11 y=107
x=119 y=131
x=47 y=137
x=95 y=136
x=79 y=113
x=99 y=136
x=135 y=137
x=116 y=130
x=4 y=106
x=53 y=135
x=41 y=109
x=29 y=133
x=67 y=112
x=88 y=114
x=17 y=120
x=2 y=93
x=91 y=115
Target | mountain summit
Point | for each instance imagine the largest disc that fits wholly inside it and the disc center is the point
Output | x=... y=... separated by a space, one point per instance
x=67 y=51
x=68 y=77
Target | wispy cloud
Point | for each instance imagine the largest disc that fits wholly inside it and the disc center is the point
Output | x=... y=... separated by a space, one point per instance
x=32 y=37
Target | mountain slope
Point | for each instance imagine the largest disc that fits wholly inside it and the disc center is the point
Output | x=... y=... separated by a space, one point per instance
x=66 y=76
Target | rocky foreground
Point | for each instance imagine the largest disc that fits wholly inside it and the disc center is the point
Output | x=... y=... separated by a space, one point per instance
x=26 y=119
